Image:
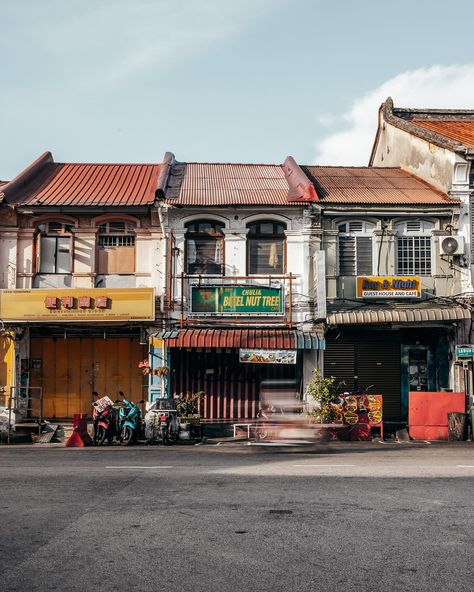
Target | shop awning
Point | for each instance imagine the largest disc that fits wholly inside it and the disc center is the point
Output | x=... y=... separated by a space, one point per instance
x=414 y=314
x=247 y=338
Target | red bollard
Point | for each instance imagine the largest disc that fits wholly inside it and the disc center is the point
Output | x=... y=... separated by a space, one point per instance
x=79 y=437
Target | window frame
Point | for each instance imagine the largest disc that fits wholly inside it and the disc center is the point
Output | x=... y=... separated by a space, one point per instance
x=60 y=231
x=265 y=237
x=367 y=231
x=105 y=230
x=403 y=232
x=218 y=237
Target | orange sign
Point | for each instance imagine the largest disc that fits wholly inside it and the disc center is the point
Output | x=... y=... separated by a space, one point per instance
x=388 y=287
x=93 y=304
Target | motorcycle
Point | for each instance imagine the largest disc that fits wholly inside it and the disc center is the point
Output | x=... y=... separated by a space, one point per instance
x=129 y=421
x=104 y=418
x=169 y=427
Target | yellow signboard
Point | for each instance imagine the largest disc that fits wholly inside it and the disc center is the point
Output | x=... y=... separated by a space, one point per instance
x=388 y=287
x=83 y=304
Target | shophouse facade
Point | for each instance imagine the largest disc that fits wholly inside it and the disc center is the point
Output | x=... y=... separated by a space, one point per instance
x=392 y=306
x=245 y=283
x=437 y=145
x=80 y=246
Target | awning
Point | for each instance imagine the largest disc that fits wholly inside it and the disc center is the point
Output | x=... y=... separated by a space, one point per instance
x=414 y=314
x=247 y=338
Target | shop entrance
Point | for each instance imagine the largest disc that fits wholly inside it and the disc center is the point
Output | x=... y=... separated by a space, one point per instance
x=231 y=388
x=69 y=370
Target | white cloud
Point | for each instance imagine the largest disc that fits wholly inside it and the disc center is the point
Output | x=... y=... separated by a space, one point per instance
x=443 y=87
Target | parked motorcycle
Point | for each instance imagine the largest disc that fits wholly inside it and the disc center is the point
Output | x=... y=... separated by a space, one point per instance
x=104 y=416
x=169 y=427
x=129 y=421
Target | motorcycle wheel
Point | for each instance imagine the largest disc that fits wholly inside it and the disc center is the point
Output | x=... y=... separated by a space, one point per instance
x=127 y=436
x=100 y=435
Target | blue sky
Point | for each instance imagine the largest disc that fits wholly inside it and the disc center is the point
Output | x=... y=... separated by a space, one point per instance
x=210 y=80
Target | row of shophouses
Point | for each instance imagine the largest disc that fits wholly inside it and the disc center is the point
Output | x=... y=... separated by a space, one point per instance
x=164 y=279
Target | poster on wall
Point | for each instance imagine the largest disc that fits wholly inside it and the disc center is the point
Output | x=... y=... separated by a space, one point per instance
x=267 y=356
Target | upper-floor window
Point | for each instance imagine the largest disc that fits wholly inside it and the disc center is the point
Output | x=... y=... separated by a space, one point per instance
x=116 y=243
x=266 y=247
x=54 y=247
x=414 y=247
x=204 y=247
x=355 y=247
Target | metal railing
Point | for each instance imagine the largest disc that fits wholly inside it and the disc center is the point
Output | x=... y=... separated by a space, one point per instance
x=252 y=281
x=25 y=408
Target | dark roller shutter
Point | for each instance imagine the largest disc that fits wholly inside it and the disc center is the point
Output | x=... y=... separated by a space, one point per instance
x=339 y=361
x=378 y=363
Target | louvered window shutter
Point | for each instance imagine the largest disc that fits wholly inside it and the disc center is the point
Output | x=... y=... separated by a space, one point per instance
x=347 y=255
x=364 y=255
x=355 y=255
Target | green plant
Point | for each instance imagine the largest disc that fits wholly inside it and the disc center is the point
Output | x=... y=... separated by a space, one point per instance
x=188 y=406
x=323 y=390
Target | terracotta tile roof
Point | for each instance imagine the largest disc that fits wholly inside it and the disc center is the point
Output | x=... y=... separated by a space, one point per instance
x=218 y=184
x=47 y=183
x=452 y=129
x=372 y=186
x=459 y=131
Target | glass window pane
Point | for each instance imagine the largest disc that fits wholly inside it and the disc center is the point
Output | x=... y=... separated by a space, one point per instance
x=266 y=256
x=63 y=255
x=47 y=254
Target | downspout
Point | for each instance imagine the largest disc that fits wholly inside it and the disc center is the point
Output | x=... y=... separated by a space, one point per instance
x=160 y=193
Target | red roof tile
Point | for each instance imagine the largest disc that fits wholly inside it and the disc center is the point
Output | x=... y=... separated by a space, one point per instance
x=372 y=186
x=66 y=184
x=459 y=131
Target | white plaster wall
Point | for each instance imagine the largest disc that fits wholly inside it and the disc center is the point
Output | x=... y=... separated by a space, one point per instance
x=298 y=237
x=398 y=148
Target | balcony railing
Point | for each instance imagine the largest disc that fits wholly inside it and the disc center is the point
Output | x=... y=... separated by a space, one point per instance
x=236 y=299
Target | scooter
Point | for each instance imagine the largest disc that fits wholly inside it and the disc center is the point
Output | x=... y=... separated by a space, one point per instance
x=129 y=421
x=104 y=416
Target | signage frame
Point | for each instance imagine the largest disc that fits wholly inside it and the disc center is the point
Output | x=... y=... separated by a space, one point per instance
x=468 y=354
x=375 y=287
x=117 y=305
x=227 y=313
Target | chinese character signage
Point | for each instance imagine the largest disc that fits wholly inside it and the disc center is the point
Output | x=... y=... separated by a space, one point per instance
x=388 y=287
x=236 y=300
x=267 y=356
x=93 y=304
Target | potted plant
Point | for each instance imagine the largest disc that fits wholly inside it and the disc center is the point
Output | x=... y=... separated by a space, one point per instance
x=323 y=391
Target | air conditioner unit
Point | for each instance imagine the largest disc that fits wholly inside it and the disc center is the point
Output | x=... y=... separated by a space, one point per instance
x=451 y=245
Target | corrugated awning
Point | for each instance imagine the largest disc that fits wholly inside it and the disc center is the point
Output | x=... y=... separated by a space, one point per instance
x=248 y=338
x=421 y=314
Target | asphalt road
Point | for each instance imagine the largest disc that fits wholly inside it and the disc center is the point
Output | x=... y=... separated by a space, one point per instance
x=346 y=517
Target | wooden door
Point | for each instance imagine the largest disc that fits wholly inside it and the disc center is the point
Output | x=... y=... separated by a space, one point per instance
x=70 y=369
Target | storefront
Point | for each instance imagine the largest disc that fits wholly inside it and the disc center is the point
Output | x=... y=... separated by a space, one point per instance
x=229 y=365
x=393 y=350
x=74 y=342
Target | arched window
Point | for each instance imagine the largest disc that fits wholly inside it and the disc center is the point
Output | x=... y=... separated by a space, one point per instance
x=54 y=247
x=116 y=243
x=266 y=247
x=204 y=247
x=355 y=247
x=414 y=247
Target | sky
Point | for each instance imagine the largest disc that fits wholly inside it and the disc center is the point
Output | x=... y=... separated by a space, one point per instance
x=220 y=80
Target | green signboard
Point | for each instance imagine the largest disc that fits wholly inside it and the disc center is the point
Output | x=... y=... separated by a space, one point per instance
x=236 y=300
x=465 y=351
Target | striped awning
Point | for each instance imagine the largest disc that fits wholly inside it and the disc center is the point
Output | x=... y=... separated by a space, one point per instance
x=247 y=338
x=383 y=315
